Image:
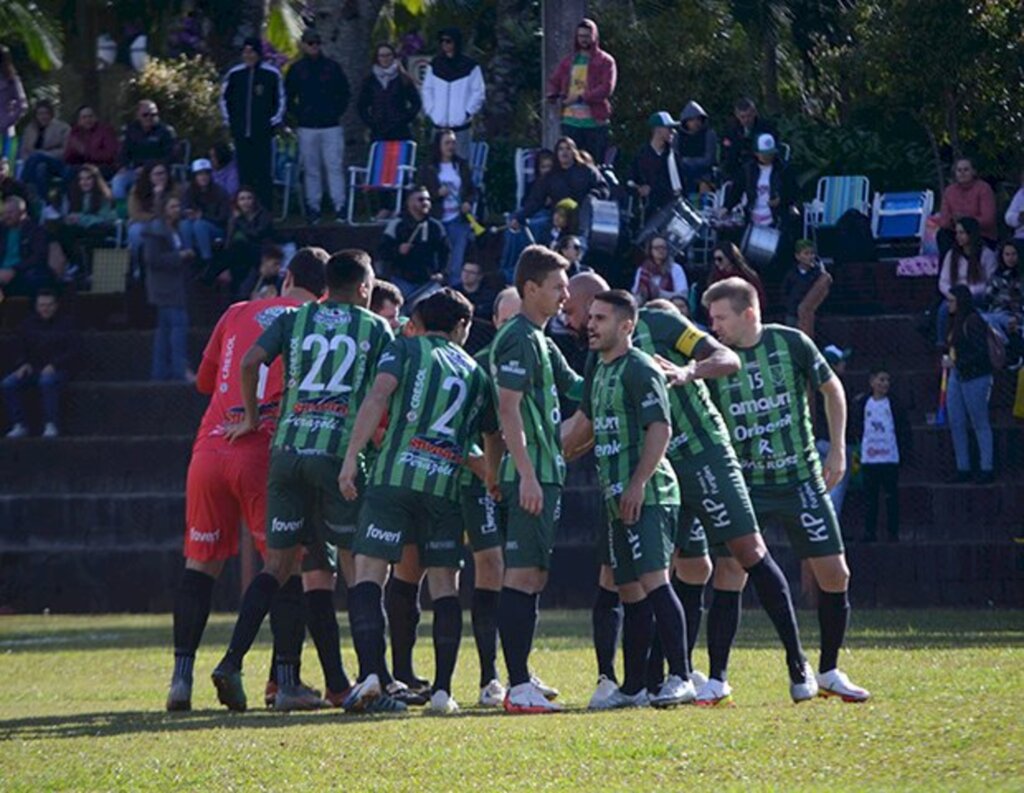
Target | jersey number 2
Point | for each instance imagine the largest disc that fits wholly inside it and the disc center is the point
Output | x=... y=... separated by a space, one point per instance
x=441 y=425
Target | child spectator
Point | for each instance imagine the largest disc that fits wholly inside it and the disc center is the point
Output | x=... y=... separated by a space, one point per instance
x=563 y=221
x=268 y=280
x=225 y=168
x=659 y=276
x=804 y=288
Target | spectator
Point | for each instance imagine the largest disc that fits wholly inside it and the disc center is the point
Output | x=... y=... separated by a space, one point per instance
x=448 y=178
x=206 y=209
x=967 y=262
x=252 y=103
x=836 y=358
x=268 y=280
x=768 y=187
x=804 y=288
x=9 y=186
x=571 y=247
x=655 y=171
x=318 y=95
x=42 y=148
x=1004 y=295
x=88 y=218
x=740 y=138
x=967 y=197
x=696 y=147
x=476 y=290
x=145 y=203
x=563 y=222
x=48 y=348
x=1014 y=216
x=225 y=167
x=23 y=248
x=970 y=385
x=879 y=425
x=582 y=84
x=728 y=262
x=13 y=103
x=414 y=246
x=386 y=301
x=147 y=141
x=453 y=90
x=572 y=177
x=249 y=229
x=91 y=142
x=167 y=273
x=659 y=276
x=388 y=100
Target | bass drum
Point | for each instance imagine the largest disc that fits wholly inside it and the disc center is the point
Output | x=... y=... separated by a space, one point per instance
x=601 y=223
x=679 y=223
x=759 y=245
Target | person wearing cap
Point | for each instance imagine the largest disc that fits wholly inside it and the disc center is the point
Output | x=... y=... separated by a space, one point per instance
x=805 y=287
x=740 y=138
x=453 y=90
x=318 y=95
x=696 y=147
x=767 y=185
x=205 y=210
x=655 y=172
x=252 y=103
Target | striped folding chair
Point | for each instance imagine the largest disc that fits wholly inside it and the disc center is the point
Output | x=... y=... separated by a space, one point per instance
x=836 y=196
x=479 y=151
x=389 y=166
x=526 y=171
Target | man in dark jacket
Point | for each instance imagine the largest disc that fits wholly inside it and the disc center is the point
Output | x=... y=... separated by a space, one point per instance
x=146 y=140
x=740 y=138
x=655 y=171
x=696 y=146
x=318 y=95
x=23 y=248
x=252 y=103
x=453 y=90
x=414 y=246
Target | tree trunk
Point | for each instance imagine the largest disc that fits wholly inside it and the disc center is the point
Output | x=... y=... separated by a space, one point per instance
x=502 y=87
x=770 y=71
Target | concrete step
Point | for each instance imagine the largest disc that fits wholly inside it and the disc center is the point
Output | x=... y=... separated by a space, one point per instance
x=918 y=387
x=889 y=339
x=931 y=458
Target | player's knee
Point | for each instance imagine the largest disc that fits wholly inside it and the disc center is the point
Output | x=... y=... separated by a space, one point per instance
x=747 y=550
x=488 y=569
x=443 y=582
x=832 y=573
x=654 y=580
x=211 y=568
x=632 y=592
x=408 y=568
x=693 y=570
x=313 y=580
x=280 y=564
x=729 y=575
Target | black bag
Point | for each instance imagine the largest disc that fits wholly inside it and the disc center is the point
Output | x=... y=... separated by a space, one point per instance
x=854 y=242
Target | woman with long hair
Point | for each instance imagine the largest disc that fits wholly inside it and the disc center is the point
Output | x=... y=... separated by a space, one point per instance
x=87 y=219
x=250 y=227
x=388 y=101
x=728 y=262
x=13 y=104
x=1004 y=295
x=968 y=261
x=450 y=181
x=659 y=276
x=145 y=204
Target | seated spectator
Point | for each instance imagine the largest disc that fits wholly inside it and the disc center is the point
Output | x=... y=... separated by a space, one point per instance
x=476 y=290
x=268 y=281
x=414 y=246
x=91 y=142
x=571 y=247
x=225 y=168
x=42 y=148
x=168 y=267
x=23 y=248
x=658 y=276
x=47 y=350
x=13 y=103
x=563 y=222
x=448 y=178
x=543 y=164
x=804 y=288
x=968 y=262
x=696 y=148
x=386 y=301
x=970 y=385
x=1014 y=216
x=728 y=262
x=655 y=172
x=517 y=236
x=249 y=229
x=87 y=219
x=388 y=101
x=1004 y=294
x=147 y=141
x=740 y=138
x=967 y=197
x=8 y=184
x=145 y=203
x=206 y=209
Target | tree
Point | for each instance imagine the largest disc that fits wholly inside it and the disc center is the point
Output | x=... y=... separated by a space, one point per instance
x=24 y=22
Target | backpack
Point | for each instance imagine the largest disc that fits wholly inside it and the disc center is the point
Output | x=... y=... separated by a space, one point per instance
x=996 y=348
x=854 y=242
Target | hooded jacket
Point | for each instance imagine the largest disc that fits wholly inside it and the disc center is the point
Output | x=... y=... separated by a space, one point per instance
x=453 y=88
x=252 y=101
x=601 y=77
x=697 y=151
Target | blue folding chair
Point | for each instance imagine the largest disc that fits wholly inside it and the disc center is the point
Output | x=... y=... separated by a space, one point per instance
x=901 y=216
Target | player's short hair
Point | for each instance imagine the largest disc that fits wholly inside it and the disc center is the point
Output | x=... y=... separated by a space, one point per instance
x=347 y=269
x=622 y=301
x=536 y=263
x=307 y=269
x=740 y=294
x=443 y=311
x=385 y=292
x=662 y=304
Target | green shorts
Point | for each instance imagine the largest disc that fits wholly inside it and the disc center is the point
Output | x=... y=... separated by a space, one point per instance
x=304 y=504
x=805 y=512
x=395 y=516
x=715 y=493
x=480 y=517
x=691 y=539
x=644 y=547
x=529 y=539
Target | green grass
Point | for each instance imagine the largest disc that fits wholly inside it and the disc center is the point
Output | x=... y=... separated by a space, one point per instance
x=81 y=707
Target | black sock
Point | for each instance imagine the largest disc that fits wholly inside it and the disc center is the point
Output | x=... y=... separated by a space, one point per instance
x=402 y=602
x=606 y=618
x=485 y=631
x=287 y=674
x=833 y=617
x=288 y=624
x=691 y=596
x=366 y=616
x=655 y=665
x=255 y=605
x=191 y=611
x=773 y=592
x=723 y=623
x=637 y=634
x=668 y=616
x=517 y=622
x=447 y=636
x=322 y=622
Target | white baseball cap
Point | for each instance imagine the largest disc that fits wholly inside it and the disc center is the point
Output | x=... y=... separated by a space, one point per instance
x=202 y=164
x=766 y=144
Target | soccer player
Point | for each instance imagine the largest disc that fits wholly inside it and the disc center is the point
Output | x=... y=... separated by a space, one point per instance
x=439 y=398
x=625 y=410
x=330 y=353
x=766 y=408
x=227 y=482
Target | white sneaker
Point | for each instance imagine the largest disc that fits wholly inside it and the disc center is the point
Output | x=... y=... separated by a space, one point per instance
x=618 y=699
x=19 y=430
x=443 y=704
x=50 y=430
x=605 y=689
x=837 y=684
x=801 y=692
x=698 y=679
x=714 y=693
x=549 y=692
x=492 y=695
x=674 y=691
x=527 y=698
x=363 y=695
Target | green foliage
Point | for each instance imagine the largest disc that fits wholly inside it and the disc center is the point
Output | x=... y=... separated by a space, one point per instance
x=24 y=23
x=284 y=27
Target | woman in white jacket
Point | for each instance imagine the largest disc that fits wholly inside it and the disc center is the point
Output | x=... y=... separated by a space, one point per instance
x=453 y=90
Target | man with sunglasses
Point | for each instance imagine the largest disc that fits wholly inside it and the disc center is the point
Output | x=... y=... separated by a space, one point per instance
x=146 y=140
x=453 y=90
x=415 y=247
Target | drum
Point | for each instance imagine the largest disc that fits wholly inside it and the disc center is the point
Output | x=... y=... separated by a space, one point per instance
x=600 y=222
x=760 y=244
x=679 y=223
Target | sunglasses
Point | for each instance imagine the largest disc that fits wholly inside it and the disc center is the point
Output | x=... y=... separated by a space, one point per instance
x=719 y=258
x=313 y=43
x=574 y=245
x=446 y=40
x=149 y=115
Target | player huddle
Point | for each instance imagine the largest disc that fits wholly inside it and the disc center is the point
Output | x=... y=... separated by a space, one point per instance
x=383 y=455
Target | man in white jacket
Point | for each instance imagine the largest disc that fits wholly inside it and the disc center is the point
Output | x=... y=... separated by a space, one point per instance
x=453 y=90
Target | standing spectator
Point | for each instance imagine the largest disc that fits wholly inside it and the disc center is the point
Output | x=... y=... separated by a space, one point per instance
x=804 y=288
x=88 y=217
x=42 y=148
x=476 y=290
x=453 y=90
x=967 y=197
x=659 y=276
x=225 y=167
x=968 y=261
x=318 y=95
x=250 y=228
x=583 y=84
x=13 y=103
x=145 y=203
x=23 y=248
x=740 y=138
x=655 y=170
x=970 y=385
x=91 y=142
x=167 y=273
x=388 y=100
x=837 y=359
x=252 y=103
x=696 y=147
x=147 y=141
x=879 y=425
x=728 y=262
x=415 y=246
x=10 y=186
x=1004 y=295
x=448 y=178
x=1014 y=216
x=48 y=347
x=206 y=209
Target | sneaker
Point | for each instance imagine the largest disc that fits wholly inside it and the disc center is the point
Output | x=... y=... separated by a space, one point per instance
x=492 y=695
x=606 y=688
x=19 y=430
x=299 y=697
x=443 y=704
x=386 y=704
x=341 y=218
x=618 y=699
x=674 y=691
x=714 y=694
x=549 y=692
x=698 y=679
x=230 y=691
x=50 y=430
x=312 y=218
x=362 y=695
x=400 y=691
x=527 y=698
x=808 y=689
x=417 y=685
x=179 y=697
x=335 y=699
x=837 y=684
x=270 y=692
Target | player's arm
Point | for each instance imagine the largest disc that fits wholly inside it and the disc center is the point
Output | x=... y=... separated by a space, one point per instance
x=656 y=439
x=250 y=370
x=206 y=377
x=709 y=358
x=577 y=435
x=494 y=450
x=366 y=423
x=835 y=410
x=531 y=497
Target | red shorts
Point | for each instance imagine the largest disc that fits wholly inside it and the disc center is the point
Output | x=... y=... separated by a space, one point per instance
x=224 y=486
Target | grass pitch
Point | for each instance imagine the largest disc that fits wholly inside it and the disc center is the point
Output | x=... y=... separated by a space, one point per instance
x=81 y=708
